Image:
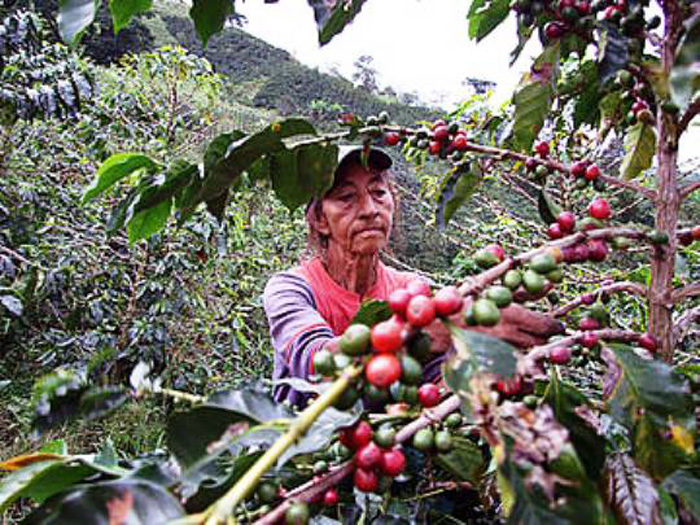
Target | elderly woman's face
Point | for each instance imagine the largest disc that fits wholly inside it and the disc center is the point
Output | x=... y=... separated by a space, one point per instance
x=357 y=213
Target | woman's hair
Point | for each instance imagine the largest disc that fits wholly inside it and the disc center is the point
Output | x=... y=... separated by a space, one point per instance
x=317 y=243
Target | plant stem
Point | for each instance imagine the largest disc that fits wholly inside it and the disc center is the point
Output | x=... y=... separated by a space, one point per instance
x=222 y=510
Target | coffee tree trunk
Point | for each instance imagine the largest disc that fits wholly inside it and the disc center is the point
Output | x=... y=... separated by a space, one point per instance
x=667 y=205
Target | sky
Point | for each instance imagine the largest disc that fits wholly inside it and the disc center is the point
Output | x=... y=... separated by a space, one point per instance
x=417 y=45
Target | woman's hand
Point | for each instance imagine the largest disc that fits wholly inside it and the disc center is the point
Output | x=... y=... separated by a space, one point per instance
x=518 y=326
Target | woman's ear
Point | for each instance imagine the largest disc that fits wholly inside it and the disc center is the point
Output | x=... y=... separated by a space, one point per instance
x=322 y=226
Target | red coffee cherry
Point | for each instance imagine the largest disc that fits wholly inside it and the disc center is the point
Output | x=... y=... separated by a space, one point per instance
x=542 y=149
x=448 y=301
x=592 y=172
x=398 y=301
x=578 y=169
x=599 y=209
x=382 y=370
x=392 y=138
x=360 y=435
x=441 y=133
x=368 y=456
x=393 y=462
x=497 y=250
x=365 y=480
x=552 y=31
x=560 y=355
x=695 y=232
x=418 y=287
x=510 y=386
x=648 y=342
x=588 y=323
x=420 y=311
x=566 y=221
x=588 y=299
x=387 y=336
x=597 y=250
x=330 y=498
x=589 y=340
x=554 y=231
x=460 y=142
x=429 y=395
x=434 y=147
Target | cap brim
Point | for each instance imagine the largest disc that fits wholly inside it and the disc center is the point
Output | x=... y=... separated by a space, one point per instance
x=377 y=158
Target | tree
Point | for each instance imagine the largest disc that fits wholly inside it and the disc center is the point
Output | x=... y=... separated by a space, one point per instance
x=559 y=455
x=365 y=75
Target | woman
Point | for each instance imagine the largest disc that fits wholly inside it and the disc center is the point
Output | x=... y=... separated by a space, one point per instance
x=310 y=306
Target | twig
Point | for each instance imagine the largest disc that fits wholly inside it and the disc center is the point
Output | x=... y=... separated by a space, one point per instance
x=308 y=492
x=221 y=510
x=681 y=294
x=688 y=116
x=180 y=396
x=625 y=286
x=681 y=326
x=428 y=417
x=607 y=334
x=690 y=188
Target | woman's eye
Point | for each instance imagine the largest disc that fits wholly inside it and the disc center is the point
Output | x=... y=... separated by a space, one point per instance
x=346 y=197
x=379 y=193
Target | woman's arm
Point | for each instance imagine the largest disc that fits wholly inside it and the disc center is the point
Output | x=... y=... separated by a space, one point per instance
x=297 y=329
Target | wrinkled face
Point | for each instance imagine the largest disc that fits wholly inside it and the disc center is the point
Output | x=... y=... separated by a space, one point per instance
x=357 y=214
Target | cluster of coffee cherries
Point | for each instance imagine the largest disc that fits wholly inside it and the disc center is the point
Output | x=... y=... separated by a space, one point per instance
x=443 y=139
x=637 y=97
x=376 y=457
x=393 y=351
x=528 y=281
x=556 y=18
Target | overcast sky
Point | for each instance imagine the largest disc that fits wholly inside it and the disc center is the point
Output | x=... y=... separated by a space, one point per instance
x=417 y=45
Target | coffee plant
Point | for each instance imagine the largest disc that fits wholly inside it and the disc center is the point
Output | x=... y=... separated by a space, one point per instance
x=598 y=425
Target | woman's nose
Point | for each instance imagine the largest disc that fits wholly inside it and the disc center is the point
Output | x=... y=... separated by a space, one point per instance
x=367 y=205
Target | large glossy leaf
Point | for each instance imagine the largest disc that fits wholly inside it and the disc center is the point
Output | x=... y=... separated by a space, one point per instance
x=209 y=17
x=49 y=474
x=652 y=400
x=464 y=460
x=577 y=502
x=124 y=10
x=630 y=491
x=137 y=502
x=302 y=172
x=74 y=16
x=685 y=75
x=149 y=221
x=485 y=15
x=613 y=54
x=586 y=109
x=640 y=147
x=333 y=15
x=116 y=168
x=456 y=189
x=533 y=99
x=372 y=312
x=685 y=483
x=243 y=153
x=568 y=403
x=475 y=353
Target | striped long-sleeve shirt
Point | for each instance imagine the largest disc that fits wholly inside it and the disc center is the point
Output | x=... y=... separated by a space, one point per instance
x=306 y=308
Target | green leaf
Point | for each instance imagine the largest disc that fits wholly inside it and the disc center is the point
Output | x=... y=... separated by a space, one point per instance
x=116 y=168
x=332 y=17
x=464 y=460
x=243 y=153
x=685 y=74
x=124 y=10
x=372 y=312
x=652 y=400
x=640 y=147
x=586 y=109
x=547 y=208
x=209 y=17
x=456 y=189
x=613 y=52
x=534 y=97
x=609 y=106
x=147 y=222
x=143 y=502
x=303 y=172
x=74 y=16
x=476 y=353
x=485 y=16
x=630 y=491
x=685 y=483
x=567 y=402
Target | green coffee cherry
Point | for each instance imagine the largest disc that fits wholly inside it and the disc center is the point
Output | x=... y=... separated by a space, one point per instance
x=501 y=295
x=355 y=340
x=533 y=281
x=513 y=279
x=485 y=312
